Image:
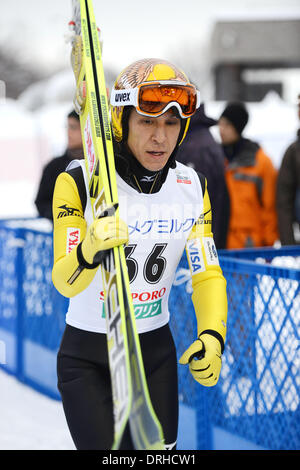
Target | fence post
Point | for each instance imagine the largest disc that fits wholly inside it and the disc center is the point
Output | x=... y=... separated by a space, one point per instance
x=202 y=398
x=254 y=334
x=19 y=242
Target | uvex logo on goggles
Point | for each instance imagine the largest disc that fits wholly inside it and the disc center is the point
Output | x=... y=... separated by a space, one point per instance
x=122 y=97
x=155 y=98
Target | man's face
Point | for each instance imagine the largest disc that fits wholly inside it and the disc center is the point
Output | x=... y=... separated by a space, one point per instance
x=74 y=134
x=228 y=132
x=153 y=139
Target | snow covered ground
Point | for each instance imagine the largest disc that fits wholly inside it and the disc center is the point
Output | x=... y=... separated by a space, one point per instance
x=30 y=420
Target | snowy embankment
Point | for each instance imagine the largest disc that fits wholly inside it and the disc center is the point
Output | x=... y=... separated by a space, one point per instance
x=29 y=420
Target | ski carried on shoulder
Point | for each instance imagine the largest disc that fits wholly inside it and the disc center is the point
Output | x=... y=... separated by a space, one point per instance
x=131 y=399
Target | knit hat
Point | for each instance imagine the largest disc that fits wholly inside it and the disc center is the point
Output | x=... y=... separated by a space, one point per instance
x=237 y=114
x=73 y=114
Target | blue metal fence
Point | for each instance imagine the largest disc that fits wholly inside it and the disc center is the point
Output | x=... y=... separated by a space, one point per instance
x=261 y=367
x=257 y=397
x=32 y=312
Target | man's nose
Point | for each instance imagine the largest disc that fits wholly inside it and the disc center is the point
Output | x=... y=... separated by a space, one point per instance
x=159 y=134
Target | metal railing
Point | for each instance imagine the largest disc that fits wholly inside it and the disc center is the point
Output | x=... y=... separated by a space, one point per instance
x=257 y=396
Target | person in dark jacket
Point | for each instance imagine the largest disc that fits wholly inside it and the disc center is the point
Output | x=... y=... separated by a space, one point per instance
x=201 y=152
x=57 y=165
x=288 y=191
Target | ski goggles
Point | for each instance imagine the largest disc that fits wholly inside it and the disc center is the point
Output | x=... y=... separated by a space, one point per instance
x=155 y=98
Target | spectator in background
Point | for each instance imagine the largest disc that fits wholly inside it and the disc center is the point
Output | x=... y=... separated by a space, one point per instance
x=288 y=191
x=57 y=165
x=251 y=182
x=200 y=151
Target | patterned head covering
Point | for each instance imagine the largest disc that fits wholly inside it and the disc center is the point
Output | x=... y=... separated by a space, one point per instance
x=141 y=71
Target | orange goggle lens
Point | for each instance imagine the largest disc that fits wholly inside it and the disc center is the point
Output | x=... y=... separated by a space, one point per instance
x=153 y=99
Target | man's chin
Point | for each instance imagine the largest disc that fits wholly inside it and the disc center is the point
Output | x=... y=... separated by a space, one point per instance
x=155 y=162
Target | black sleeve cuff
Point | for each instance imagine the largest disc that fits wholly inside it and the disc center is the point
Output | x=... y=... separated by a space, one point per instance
x=216 y=335
x=82 y=262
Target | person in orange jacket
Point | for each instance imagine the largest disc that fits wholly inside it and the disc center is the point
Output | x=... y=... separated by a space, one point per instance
x=251 y=182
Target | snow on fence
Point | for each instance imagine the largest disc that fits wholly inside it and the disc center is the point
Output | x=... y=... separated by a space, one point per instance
x=257 y=397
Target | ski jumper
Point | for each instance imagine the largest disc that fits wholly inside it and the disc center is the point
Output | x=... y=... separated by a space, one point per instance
x=161 y=225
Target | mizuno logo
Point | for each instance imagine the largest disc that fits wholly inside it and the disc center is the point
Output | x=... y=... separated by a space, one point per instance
x=121 y=97
x=202 y=220
x=67 y=211
x=148 y=179
x=207 y=212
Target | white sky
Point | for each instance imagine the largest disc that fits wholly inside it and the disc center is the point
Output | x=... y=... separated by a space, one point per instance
x=131 y=30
